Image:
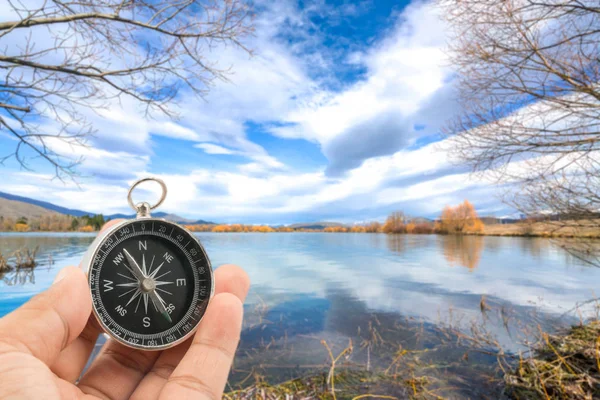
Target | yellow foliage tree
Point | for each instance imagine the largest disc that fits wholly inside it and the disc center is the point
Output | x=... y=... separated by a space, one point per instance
x=336 y=229
x=373 y=227
x=21 y=227
x=262 y=229
x=87 y=228
x=395 y=223
x=358 y=229
x=460 y=219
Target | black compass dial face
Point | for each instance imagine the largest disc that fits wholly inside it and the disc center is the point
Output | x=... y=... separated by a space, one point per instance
x=151 y=281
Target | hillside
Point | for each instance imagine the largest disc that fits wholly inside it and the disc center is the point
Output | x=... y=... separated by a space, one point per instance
x=13 y=206
x=17 y=209
x=169 y=217
x=43 y=204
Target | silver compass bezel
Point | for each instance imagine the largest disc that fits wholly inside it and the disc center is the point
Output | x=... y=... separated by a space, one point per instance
x=86 y=265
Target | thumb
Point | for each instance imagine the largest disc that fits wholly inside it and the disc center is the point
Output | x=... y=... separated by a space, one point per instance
x=47 y=323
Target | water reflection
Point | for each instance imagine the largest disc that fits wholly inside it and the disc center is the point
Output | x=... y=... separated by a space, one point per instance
x=19 y=277
x=464 y=251
x=396 y=243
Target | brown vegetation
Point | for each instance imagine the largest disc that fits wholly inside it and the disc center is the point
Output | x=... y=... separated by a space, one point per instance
x=564 y=229
x=231 y=228
x=563 y=366
x=395 y=223
x=459 y=219
x=52 y=223
x=23 y=259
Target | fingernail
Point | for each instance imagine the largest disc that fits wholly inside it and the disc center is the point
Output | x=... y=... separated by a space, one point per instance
x=61 y=275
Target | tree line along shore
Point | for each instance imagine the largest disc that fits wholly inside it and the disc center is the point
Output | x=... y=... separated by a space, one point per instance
x=459 y=219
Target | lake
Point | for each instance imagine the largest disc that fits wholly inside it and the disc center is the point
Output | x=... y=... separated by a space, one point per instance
x=403 y=306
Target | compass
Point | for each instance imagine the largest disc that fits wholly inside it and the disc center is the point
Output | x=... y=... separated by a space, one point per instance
x=150 y=279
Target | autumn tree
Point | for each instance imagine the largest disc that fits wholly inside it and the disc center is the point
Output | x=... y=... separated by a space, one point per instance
x=528 y=84
x=460 y=219
x=395 y=223
x=373 y=227
x=63 y=59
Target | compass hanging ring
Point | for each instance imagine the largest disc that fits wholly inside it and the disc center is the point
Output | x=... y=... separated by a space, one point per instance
x=143 y=209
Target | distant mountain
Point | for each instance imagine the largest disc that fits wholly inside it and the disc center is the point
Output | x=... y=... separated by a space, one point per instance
x=421 y=220
x=17 y=209
x=169 y=217
x=315 y=225
x=43 y=204
x=14 y=206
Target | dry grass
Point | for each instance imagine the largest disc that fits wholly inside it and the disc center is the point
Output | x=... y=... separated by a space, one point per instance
x=562 y=366
x=4 y=266
x=318 y=387
x=23 y=259
x=583 y=229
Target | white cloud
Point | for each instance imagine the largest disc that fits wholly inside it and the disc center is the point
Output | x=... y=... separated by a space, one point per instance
x=253 y=195
x=404 y=71
x=210 y=148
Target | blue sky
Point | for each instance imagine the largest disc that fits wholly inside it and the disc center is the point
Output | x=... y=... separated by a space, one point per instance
x=336 y=116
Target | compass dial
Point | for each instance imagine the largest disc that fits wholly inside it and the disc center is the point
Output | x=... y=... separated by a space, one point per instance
x=151 y=281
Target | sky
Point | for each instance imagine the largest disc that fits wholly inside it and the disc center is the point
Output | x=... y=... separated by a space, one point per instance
x=336 y=116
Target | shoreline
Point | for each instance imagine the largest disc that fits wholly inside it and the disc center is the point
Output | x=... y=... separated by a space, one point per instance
x=492 y=231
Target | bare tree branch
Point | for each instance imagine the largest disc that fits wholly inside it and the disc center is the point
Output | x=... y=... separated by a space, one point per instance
x=65 y=56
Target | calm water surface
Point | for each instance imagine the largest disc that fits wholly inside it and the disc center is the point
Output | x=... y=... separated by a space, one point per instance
x=382 y=293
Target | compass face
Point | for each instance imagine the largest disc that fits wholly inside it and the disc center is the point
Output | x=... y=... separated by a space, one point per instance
x=151 y=282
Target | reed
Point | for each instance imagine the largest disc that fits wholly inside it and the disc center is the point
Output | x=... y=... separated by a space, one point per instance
x=4 y=266
x=562 y=366
x=22 y=259
x=25 y=258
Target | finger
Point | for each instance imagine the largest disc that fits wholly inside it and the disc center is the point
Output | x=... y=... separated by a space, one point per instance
x=47 y=323
x=121 y=367
x=228 y=279
x=74 y=357
x=203 y=371
x=71 y=361
x=232 y=279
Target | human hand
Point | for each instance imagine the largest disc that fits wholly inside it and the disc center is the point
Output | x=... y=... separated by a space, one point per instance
x=46 y=343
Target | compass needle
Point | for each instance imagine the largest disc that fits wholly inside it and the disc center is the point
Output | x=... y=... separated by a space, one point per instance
x=160 y=305
x=134 y=267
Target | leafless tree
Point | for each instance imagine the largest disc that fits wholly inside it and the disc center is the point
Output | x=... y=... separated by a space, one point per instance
x=60 y=58
x=528 y=78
